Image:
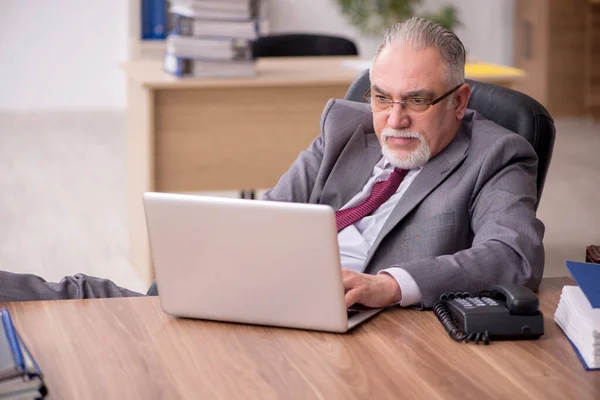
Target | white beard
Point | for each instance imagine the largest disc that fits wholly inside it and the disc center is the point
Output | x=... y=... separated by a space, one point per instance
x=405 y=160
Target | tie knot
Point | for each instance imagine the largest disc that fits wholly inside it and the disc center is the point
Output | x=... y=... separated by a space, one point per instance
x=400 y=172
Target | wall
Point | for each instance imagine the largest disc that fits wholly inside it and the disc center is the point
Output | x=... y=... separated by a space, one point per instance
x=487 y=30
x=62 y=54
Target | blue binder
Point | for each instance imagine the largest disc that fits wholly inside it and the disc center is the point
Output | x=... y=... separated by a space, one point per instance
x=587 y=276
x=154 y=19
x=20 y=376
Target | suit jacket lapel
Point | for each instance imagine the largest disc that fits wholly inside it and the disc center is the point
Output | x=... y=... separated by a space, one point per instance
x=352 y=170
x=432 y=175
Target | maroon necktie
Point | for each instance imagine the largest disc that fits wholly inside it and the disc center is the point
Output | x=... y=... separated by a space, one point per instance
x=381 y=192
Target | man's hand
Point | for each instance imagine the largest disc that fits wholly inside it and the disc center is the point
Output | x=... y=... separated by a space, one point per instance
x=370 y=290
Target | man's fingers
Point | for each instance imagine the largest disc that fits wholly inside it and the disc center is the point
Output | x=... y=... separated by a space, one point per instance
x=348 y=284
x=346 y=275
x=352 y=297
x=350 y=279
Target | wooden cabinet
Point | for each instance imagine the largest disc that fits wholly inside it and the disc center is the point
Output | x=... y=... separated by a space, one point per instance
x=557 y=44
x=592 y=71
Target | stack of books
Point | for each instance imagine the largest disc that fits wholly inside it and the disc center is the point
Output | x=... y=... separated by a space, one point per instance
x=578 y=312
x=212 y=38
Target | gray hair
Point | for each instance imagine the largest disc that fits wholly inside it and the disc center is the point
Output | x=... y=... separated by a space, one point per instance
x=419 y=33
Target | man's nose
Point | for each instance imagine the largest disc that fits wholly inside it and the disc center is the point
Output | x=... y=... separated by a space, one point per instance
x=398 y=118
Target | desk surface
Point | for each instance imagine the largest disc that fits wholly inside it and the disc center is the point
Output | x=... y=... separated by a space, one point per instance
x=296 y=71
x=129 y=349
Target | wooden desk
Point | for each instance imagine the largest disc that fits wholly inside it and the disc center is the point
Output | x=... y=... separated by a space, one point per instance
x=129 y=349
x=230 y=134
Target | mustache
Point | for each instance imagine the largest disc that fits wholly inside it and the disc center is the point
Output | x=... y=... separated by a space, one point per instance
x=401 y=133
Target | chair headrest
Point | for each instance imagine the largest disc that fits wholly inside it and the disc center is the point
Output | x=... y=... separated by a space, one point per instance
x=519 y=113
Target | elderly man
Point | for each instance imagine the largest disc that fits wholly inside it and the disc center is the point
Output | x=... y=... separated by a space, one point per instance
x=430 y=196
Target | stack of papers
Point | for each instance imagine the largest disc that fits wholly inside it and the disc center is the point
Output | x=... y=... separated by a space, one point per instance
x=224 y=49
x=200 y=68
x=214 y=9
x=581 y=324
x=187 y=26
x=578 y=312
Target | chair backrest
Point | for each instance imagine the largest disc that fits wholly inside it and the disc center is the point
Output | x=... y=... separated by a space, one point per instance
x=301 y=44
x=513 y=110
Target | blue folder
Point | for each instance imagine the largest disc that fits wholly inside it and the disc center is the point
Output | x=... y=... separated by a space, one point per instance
x=587 y=276
x=154 y=19
x=20 y=376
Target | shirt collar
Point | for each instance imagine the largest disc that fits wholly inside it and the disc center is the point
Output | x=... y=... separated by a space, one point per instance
x=385 y=164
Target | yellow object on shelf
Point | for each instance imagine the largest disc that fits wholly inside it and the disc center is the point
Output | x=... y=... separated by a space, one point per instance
x=473 y=69
x=479 y=69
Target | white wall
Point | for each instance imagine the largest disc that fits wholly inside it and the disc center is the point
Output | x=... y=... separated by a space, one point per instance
x=62 y=54
x=487 y=30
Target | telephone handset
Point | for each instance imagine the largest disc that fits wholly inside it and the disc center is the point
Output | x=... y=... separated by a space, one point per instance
x=506 y=312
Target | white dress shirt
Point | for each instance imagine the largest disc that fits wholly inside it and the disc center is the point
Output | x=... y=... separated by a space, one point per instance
x=356 y=240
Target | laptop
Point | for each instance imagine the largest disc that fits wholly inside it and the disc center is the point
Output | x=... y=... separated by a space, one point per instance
x=248 y=261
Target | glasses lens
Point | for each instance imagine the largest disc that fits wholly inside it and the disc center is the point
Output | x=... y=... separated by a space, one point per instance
x=418 y=104
x=418 y=107
x=379 y=104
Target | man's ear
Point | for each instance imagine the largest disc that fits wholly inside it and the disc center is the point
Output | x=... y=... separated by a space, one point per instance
x=461 y=98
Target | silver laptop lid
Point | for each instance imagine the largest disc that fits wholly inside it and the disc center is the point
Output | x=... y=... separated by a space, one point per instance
x=246 y=261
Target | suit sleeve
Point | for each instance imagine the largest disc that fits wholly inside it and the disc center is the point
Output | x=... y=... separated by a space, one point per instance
x=507 y=244
x=297 y=183
x=25 y=287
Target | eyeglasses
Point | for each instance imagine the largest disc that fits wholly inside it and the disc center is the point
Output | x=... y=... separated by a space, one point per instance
x=382 y=103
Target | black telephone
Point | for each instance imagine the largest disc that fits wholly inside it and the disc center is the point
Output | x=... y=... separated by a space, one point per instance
x=506 y=312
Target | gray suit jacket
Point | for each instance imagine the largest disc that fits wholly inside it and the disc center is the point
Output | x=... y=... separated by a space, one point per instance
x=24 y=287
x=466 y=223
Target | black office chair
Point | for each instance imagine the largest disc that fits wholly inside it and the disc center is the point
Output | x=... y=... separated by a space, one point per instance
x=511 y=109
x=302 y=44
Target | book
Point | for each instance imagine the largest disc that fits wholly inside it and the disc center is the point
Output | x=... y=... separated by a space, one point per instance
x=20 y=376
x=224 y=5
x=186 y=26
x=154 y=19
x=219 y=10
x=202 y=68
x=578 y=312
x=209 y=48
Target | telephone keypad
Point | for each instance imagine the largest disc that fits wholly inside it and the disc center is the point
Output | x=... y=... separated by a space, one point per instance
x=473 y=302
x=489 y=301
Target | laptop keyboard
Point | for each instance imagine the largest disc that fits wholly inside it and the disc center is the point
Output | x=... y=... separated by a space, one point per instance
x=356 y=308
